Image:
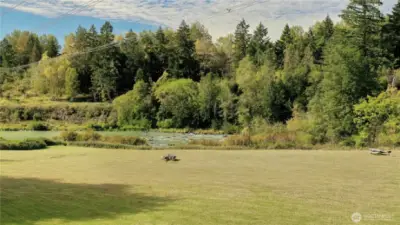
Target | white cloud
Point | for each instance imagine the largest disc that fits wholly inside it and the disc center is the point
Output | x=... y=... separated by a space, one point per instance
x=212 y=13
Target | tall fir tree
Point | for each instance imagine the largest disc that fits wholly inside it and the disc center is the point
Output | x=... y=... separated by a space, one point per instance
x=241 y=41
x=134 y=59
x=365 y=19
x=7 y=54
x=324 y=33
x=105 y=68
x=391 y=36
x=329 y=28
x=82 y=62
x=50 y=45
x=258 y=44
x=161 y=52
x=281 y=45
x=182 y=62
x=33 y=50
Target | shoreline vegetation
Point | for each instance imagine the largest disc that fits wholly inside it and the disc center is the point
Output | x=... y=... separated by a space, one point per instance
x=92 y=139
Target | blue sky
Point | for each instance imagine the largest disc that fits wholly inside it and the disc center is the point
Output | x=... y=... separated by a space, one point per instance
x=51 y=16
x=62 y=26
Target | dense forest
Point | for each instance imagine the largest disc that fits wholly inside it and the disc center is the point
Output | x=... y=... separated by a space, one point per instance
x=332 y=83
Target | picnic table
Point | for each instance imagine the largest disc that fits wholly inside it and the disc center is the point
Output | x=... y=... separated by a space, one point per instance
x=375 y=151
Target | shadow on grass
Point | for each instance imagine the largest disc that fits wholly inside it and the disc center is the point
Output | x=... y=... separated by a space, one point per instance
x=29 y=200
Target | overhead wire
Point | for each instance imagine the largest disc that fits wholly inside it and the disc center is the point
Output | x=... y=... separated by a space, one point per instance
x=73 y=11
x=111 y=44
x=240 y=6
x=13 y=7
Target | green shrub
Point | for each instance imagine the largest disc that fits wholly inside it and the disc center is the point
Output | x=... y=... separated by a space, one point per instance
x=50 y=142
x=205 y=142
x=15 y=116
x=37 y=126
x=238 y=140
x=28 y=144
x=89 y=135
x=78 y=113
x=69 y=136
x=165 y=124
x=107 y=145
x=25 y=115
x=390 y=135
x=92 y=137
x=377 y=115
x=125 y=140
x=361 y=140
x=230 y=128
x=348 y=142
x=37 y=116
x=279 y=140
x=130 y=128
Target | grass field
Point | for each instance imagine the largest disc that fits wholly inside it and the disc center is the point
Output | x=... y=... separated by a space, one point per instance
x=64 y=185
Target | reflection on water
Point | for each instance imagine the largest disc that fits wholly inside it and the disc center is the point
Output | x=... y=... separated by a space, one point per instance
x=156 y=139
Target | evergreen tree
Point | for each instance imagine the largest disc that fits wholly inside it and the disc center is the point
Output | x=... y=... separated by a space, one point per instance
x=281 y=44
x=50 y=45
x=81 y=38
x=161 y=52
x=134 y=59
x=7 y=54
x=36 y=53
x=153 y=66
x=82 y=62
x=105 y=68
x=93 y=39
x=365 y=19
x=343 y=84
x=258 y=44
x=182 y=63
x=329 y=28
x=322 y=33
x=241 y=41
x=33 y=50
x=391 y=36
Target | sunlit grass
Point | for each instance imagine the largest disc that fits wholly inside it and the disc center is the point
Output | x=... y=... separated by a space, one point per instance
x=66 y=185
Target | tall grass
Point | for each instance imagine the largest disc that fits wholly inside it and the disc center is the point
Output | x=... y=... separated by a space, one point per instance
x=28 y=144
x=92 y=137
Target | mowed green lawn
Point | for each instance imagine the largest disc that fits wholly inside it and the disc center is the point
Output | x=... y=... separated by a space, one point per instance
x=64 y=185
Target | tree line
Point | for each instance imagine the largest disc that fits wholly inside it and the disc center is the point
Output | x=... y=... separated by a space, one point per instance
x=181 y=78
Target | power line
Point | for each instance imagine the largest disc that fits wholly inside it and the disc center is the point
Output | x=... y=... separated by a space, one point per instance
x=71 y=12
x=240 y=6
x=14 y=7
x=106 y=46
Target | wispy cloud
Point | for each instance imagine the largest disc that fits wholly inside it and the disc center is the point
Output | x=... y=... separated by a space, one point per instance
x=214 y=14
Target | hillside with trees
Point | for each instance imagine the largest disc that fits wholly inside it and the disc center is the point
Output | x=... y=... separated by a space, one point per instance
x=332 y=83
